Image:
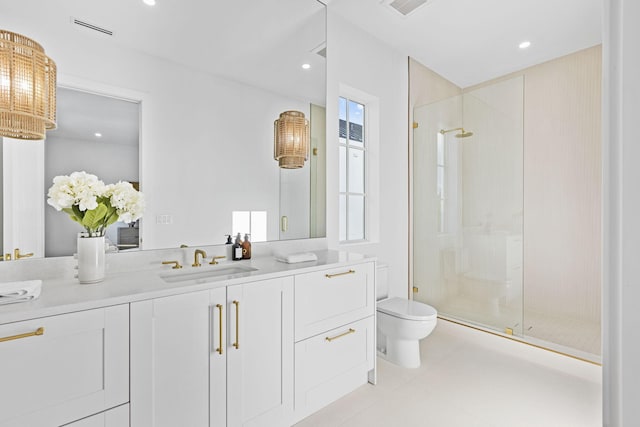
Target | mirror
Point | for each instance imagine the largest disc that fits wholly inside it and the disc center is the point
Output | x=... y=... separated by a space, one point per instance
x=206 y=110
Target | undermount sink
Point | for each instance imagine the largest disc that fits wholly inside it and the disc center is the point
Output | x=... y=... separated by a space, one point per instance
x=207 y=273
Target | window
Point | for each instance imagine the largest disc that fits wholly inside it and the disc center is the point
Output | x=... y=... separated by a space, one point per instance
x=352 y=134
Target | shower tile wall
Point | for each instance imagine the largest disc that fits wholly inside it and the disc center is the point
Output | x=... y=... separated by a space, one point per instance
x=563 y=199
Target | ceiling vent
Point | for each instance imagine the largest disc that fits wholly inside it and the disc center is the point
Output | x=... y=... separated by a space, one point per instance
x=321 y=50
x=405 y=7
x=93 y=27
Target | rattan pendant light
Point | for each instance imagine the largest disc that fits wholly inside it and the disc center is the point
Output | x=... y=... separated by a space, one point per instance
x=291 y=140
x=27 y=88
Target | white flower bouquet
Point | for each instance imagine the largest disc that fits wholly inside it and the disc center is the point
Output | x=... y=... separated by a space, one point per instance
x=94 y=205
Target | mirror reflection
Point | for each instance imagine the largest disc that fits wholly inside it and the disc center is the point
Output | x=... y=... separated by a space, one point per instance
x=205 y=125
x=100 y=135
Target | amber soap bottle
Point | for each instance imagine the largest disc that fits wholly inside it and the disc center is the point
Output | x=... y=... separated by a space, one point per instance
x=246 y=247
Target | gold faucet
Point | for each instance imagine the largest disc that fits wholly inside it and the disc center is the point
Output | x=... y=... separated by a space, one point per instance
x=5 y=257
x=215 y=259
x=176 y=264
x=196 y=261
x=17 y=255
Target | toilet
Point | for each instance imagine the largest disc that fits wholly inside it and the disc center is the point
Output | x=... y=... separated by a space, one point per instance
x=401 y=324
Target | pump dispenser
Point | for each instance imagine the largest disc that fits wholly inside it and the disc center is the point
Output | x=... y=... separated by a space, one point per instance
x=236 y=249
x=246 y=247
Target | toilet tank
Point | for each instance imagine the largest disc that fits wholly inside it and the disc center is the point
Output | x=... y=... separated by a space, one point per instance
x=382 y=282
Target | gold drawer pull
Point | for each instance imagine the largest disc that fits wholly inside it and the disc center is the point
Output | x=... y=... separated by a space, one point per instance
x=350 y=331
x=237 y=343
x=219 y=349
x=39 y=331
x=329 y=276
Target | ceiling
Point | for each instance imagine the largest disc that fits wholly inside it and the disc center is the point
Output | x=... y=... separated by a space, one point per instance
x=261 y=41
x=472 y=41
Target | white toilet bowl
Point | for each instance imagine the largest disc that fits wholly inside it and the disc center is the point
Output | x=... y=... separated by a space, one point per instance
x=402 y=324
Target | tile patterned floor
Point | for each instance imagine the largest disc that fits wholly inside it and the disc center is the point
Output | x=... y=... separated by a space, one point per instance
x=472 y=379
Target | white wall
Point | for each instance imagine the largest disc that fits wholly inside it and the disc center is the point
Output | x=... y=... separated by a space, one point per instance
x=621 y=358
x=359 y=61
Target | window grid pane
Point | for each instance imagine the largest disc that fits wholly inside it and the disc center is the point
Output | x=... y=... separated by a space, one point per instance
x=352 y=171
x=355 y=218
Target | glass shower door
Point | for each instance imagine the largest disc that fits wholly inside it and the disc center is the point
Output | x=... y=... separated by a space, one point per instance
x=468 y=206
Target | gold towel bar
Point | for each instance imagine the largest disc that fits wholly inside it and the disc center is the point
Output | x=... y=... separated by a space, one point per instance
x=39 y=331
x=329 y=276
x=350 y=331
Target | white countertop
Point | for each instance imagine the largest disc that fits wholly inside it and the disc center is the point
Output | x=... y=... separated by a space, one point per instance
x=67 y=295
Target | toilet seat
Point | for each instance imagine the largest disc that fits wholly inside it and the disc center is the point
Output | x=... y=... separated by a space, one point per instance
x=407 y=309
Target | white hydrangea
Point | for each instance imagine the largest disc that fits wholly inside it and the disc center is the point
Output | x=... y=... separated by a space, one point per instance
x=128 y=202
x=79 y=188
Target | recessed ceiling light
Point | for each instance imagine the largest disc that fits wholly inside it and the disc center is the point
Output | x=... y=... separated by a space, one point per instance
x=98 y=135
x=306 y=66
x=525 y=44
x=149 y=2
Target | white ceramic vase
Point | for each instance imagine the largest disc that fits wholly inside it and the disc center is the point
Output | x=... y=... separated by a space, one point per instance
x=91 y=259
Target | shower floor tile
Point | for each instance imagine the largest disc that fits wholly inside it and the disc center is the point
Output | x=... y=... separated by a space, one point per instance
x=567 y=334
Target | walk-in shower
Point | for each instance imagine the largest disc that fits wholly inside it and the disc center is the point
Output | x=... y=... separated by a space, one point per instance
x=468 y=228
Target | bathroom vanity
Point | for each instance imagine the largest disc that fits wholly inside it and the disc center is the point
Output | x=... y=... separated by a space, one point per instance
x=261 y=343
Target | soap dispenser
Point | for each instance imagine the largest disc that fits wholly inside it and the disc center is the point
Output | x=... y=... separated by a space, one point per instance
x=236 y=249
x=229 y=242
x=246 y=247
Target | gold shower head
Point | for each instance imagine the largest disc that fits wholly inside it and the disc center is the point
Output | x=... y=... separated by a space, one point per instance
x=461 y=134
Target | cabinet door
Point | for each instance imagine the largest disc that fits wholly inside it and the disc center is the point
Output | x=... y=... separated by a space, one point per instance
x=260 y=353
x=170 y=351
x=58 y=369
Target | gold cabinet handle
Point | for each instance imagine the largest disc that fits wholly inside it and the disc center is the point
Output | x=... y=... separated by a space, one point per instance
x=330 y=276
x=219 y=307
x=350 y=331
x=39 y=331
x=237 y=343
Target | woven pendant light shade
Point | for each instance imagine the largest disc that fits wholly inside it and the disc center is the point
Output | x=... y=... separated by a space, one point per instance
x=27 y=88
x=291 y=140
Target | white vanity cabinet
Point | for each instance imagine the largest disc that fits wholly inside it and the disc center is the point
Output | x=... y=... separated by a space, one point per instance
x=59 y=369
x=221 y=357
x=335 y=334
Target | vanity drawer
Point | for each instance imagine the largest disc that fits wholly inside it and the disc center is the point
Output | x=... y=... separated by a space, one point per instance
x=62 y=368
x=332 y=364
x=330 y=298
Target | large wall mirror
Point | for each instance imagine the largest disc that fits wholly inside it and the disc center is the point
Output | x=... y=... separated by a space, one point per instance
x=184 y=96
